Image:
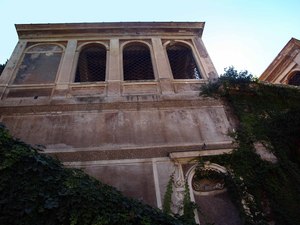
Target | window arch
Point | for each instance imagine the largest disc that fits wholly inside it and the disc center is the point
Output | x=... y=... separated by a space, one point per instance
x=182 y=62
x=295 y=79
x=137 y=63
x=39 y=65
x=91 y=66
x=208 y=190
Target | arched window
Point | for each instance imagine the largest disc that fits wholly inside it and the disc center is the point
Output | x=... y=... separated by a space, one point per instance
x=137 y=64
x=39 y=65
x=182 y=62
x=295 y=79
x=91 y=65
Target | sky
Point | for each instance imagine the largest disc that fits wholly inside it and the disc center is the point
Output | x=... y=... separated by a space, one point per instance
x=246 y=34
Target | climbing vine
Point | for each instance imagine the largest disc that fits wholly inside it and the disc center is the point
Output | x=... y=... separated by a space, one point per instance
x=2 y=66
x=37 y=189
x=188 y=206
x=264 y=191
x=168 y=196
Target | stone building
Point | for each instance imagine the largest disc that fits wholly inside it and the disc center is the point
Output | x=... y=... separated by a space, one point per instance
x=121 y=101
x=285 y=68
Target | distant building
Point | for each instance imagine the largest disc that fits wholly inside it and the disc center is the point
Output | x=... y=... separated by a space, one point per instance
x=121 y=101
x=285 y=68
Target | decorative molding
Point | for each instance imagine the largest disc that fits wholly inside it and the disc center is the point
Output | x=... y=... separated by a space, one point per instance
x=136 y=152
x=16 y=105
x=179 y=190
x=114 y=28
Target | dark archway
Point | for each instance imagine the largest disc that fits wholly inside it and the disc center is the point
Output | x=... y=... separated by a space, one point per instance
x=91 y=65
x=295 y=79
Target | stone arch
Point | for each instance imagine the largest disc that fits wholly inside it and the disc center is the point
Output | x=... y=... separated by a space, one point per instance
x=183 y=61
x=133 y=42
x=91 y=62
x=45 y=47
x=216 y=205
x=83 y=45
x=39 y=64
x=294 y=78
x=137 y=61
x=182 y=42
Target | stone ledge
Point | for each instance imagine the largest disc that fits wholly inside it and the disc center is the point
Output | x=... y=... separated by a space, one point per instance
x=87 y=106
x=190 y=155
x=142 y=153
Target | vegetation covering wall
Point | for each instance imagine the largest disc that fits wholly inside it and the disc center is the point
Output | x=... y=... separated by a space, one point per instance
x=2 y=66
x=264 y=191
x=36 y=189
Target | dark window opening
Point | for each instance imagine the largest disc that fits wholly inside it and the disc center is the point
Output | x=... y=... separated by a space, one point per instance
x=295 y=79
x=137 y=64
x=91 y=65
x=182 y=62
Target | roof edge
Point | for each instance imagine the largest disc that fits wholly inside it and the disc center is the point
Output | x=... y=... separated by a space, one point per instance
x=276 y=61
x=24 y=30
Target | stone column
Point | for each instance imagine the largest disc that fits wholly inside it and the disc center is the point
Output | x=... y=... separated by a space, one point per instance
x=114 y=73
x=209 y=69
x=11 y=66
x=179 y=190
x=65 y=71
x=164 y=74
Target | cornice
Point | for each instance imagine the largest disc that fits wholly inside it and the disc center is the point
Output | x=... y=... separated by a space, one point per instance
x=283 y=57
x=27 y=31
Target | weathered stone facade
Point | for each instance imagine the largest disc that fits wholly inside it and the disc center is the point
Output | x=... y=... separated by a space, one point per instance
x=285 y=68
x=132 y=134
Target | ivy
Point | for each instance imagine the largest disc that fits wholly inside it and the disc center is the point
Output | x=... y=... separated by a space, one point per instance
x=37 y=189
x=202 y=173
x=168 y=196
x=188 y=205
x=269 y=114
x=2 y=66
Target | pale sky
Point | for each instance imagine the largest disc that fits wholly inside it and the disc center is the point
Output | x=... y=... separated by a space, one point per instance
x=247 y=34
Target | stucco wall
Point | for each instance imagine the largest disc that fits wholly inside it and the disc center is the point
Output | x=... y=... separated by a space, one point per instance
x=117 y=129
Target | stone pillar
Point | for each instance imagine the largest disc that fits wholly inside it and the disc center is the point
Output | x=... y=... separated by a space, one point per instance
x=114 y=73
x=164 y=74
x=179 y=190
x=65 y=71
x=11 y=66
x=297 y=57
x=209 y=69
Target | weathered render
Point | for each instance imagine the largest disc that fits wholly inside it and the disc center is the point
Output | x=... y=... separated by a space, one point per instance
x=131 y=133
x=285 y=68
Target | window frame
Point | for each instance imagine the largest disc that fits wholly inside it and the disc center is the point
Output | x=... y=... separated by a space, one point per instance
x=292 y=74
x=196 y=58
x=27 y=50
x=76 y=60
x=153 y=63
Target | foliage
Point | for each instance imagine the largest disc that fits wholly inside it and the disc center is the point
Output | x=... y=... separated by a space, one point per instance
x=202 y=173
x=36 y=189
x=230 y=79
x=188 y=206
x=269 y=114
x=2 y=66
x=168 y=196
